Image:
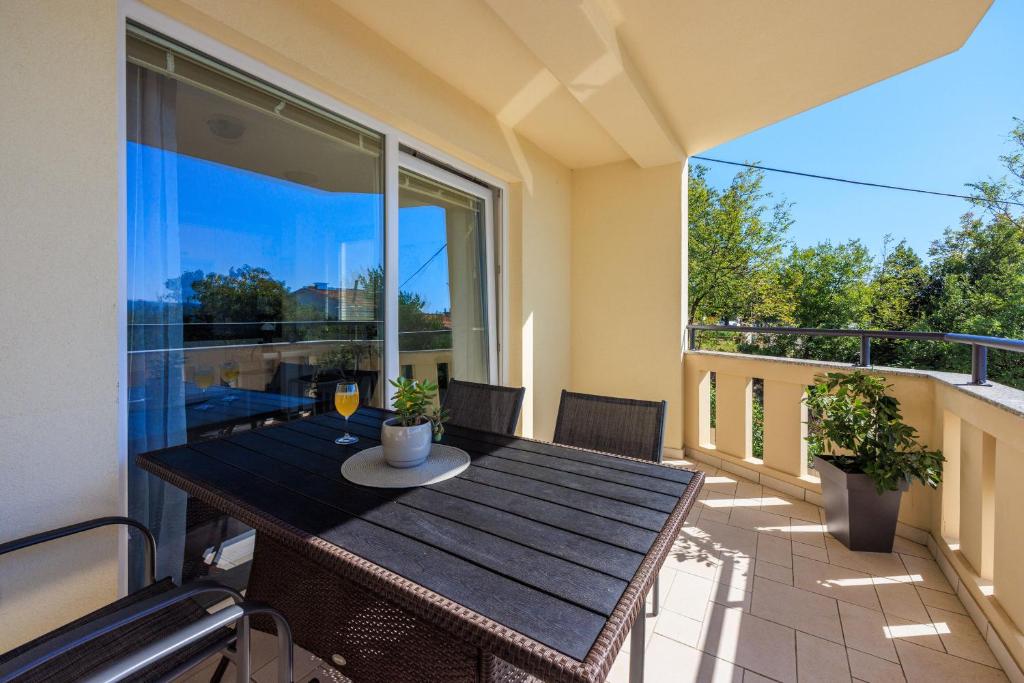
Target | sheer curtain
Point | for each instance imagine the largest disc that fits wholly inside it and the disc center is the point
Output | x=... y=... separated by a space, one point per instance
x=156 y=389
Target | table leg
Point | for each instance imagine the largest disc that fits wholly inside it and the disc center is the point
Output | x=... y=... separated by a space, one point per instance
x=636 y=647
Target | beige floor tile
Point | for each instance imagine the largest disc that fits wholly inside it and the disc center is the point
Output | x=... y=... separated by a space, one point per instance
x=905 y=546
x=303 y=663
x=775 y=572
x=919 y=632
x=808 y=533
x=689 y=595
x=694 y=552
x=716 y=507
x=748 y=489
x=678 y=627
x=865 y=630
x=737 y=571
x=928 y=666
x=931 y=576
x=811 y=551
x=754 y=677
x=961 y=637
x=649 y=625
x=732 y=595
x=788 y=506
x=753 y=643
x=796 y=608
x=940 y=599
x=730 y=541
x=667 y=660
x=820 y=660
x=775 y=550
x=834 y=581
x=878 y=564
x=263 y=649
x=871 y=669
x=765 y=522
x=900 y=598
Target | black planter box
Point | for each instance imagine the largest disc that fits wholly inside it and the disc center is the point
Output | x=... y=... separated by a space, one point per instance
x=858 y=516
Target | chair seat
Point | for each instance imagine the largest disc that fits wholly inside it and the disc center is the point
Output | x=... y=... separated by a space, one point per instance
x=98 y=653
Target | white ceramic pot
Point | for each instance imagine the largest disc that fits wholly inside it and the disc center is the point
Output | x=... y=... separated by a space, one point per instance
x=405 y=446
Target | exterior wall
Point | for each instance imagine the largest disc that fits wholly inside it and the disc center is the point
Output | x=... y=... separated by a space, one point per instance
x=59 y=206
x=628 y=255
x=540 y=327
x=61 y=154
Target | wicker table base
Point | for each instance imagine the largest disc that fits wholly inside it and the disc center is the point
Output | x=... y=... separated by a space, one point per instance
x=329 y=615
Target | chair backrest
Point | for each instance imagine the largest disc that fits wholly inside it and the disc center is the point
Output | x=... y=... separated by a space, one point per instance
x=622 y=426
x=485 y=407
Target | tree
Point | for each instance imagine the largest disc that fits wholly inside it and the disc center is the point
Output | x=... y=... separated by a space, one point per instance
x=245 y=294
x=830 y=288
x=735 y=238
x=411 y=315
x=897 y=292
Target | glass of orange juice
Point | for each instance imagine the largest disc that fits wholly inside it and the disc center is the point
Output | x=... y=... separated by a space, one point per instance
x=229 y=372
x=346 y=401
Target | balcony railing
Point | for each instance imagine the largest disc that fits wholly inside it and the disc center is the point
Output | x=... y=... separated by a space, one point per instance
x=979 y=344
x=971 y=522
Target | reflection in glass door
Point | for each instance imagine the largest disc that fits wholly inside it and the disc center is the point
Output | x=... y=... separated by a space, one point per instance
x=445 y=327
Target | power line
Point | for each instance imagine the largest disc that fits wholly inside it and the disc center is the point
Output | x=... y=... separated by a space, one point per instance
x=848 y=181
x=425 y=264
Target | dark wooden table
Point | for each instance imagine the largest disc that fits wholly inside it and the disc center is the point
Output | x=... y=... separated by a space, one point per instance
x=539 y=554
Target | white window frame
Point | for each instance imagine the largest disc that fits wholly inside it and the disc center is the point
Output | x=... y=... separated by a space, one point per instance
x=486 y=195
x=394 y=139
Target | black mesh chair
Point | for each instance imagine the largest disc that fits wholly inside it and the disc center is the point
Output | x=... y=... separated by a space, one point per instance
x=484 y=407
x=622 y=426
x=159 y=632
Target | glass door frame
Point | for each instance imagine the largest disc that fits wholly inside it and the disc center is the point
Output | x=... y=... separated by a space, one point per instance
x=486 y=194
x=497 y=237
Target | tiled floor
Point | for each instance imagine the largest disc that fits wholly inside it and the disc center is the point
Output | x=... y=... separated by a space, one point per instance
x=755 y=590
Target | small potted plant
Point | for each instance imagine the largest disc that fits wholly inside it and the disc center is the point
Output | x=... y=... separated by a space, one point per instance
x=868 y=457
x=406 y=437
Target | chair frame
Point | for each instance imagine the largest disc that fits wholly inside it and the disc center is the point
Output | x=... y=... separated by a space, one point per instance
x=662 y=407
x=520 y=393
x=236 y=645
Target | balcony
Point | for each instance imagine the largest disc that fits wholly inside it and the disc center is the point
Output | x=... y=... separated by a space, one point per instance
x=538 y=154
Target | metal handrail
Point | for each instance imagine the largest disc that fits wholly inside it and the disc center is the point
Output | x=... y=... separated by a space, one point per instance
x=979 y=344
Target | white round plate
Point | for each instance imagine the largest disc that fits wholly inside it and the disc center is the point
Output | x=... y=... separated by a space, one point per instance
x=368 y=468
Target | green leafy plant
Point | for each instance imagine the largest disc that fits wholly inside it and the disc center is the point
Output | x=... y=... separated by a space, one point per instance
x=414 y=403
x=340 y=359
x=853 y=412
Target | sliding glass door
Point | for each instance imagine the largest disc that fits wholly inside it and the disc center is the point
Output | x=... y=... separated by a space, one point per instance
x=257 y=277
x=445 y=302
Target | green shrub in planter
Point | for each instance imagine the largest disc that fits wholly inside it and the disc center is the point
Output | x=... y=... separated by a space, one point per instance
x=868 y=457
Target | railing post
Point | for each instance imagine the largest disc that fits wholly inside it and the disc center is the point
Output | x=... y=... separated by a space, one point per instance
x=691 y=339
x=979 y=364
x=865 y=351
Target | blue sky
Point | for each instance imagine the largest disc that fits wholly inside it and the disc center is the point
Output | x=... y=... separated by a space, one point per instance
x=935 y=127
x=229 y=217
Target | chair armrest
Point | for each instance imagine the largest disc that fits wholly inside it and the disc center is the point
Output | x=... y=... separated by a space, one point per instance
x=168 y=645
x=71 y=529
x=76 y=637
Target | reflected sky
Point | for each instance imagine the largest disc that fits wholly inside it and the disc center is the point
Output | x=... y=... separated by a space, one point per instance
x=228 y=217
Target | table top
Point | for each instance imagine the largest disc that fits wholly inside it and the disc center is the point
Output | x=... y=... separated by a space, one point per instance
x=557 y=544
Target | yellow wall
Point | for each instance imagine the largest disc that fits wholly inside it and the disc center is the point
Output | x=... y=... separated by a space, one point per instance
x=59 y=143
x=628 y=255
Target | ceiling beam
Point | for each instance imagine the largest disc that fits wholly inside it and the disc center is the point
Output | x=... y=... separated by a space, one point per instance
x=577 y=42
